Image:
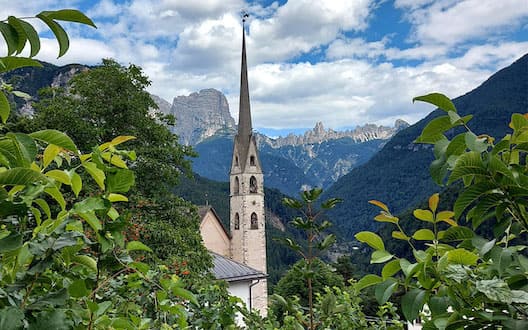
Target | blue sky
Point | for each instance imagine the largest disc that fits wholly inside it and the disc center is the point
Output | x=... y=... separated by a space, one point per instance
x=344 y=63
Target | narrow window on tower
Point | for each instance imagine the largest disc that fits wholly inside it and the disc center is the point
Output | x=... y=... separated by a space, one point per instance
x=236 y=160
x=253 y=185
x=236 y=188
x=237 y=222
x=254 y=221
x=252 y=161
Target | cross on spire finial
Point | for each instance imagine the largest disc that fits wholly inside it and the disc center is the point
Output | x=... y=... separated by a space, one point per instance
x=244 y=15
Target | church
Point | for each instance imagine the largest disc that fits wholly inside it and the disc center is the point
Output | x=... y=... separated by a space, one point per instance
x=239 y=254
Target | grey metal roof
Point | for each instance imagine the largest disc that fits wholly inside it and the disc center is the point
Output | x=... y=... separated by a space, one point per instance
x=232 y=271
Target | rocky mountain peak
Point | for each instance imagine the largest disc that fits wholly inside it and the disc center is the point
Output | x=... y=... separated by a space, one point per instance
x=199 y=115
x=319 y=134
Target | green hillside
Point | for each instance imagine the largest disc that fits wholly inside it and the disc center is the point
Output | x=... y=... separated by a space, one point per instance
x=399 y=176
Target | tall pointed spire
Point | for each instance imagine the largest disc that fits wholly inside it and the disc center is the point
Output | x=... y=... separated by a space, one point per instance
x=244 y=111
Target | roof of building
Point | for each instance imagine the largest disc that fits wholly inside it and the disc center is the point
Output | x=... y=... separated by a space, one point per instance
x=232 y=271
x=202 y=211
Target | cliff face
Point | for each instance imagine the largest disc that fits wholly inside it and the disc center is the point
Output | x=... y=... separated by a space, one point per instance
x=319 y=134
x=199 y=115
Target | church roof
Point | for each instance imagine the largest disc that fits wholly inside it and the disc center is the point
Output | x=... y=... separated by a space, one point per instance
x=202 y=211
x=245 y=129
x=232 y=271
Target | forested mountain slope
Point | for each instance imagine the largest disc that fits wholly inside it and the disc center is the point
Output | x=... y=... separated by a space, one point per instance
x=399 y=174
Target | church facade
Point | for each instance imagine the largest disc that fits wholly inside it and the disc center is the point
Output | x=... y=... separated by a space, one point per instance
x=245 y=243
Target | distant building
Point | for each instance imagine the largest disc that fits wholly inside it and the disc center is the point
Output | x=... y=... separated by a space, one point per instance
x=240 y=255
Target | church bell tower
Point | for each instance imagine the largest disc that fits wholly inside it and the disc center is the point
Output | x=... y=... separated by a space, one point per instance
x=248 y=225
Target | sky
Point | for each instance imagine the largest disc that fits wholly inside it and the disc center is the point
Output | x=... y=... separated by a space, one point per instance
x=344 y=63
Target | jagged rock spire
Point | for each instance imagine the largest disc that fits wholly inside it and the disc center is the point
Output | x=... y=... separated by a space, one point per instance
x=244 y=112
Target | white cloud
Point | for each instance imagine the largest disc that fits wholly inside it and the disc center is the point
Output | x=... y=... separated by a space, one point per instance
x=185 y=46
x=452 y=21
x=300 y=26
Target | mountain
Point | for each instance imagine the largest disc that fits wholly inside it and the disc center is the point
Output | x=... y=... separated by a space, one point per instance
x=199 y=115
x=398 y=174
x=289 y=167
x=317 y=158
x=31 y=79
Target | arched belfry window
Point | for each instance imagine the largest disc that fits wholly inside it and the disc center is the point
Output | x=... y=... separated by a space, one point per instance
x=236 y=187
x=254 y=221
x=237 y=221
x=252 y=160
x=253 y=185
x=236 y=160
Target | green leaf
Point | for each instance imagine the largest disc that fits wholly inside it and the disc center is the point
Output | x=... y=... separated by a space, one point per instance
x=91 y=204
x=76 y=183
x=384 y=290
x=44 y=206
x=10 y=63
x=424 y=215
x=380 y=256
x=437 y=99
x=92 y=220
x=390 y=268
x=372 y=239
x=457 y=145
x=11 y=318
x=424 y=235
x=78 y=289
x=58 y=31
x=459 y=233
x=54 y=319
x=5 y=108
x=120 y=181
x=495 y=289
x=49 y=154
x=185 y=294
x=408 y=268
x=11 y=37
x=26 y=150
x=327 y=242
x=136 y=245
x=470 y=195
x=86 y=261
x=475 y=143
x=60 y=176
x=330 y=203
x=11 y=242
x=56 y=298
x=368 y=280
x=400 y=235
x=69 y=15
x=21 y=176
x=55 y=137
x=57 y=195
x=380 y=205
x=117 y=198
x=383 y=217
x=95 y=173
x=469 y=163
x=433 y=202
x=29 y=31
x=412 y=303
x=21 y=40
x=434 y=130
x=518 y=121
x=462 y=257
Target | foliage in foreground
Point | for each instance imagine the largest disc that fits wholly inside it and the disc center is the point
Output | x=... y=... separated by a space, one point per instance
x=467 y=281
